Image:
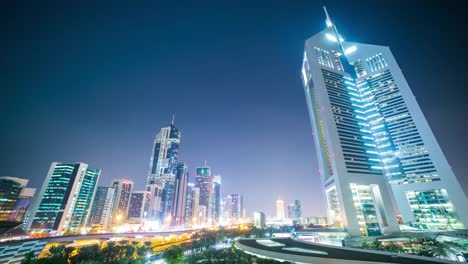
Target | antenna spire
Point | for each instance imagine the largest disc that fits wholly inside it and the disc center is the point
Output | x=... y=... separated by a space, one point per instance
x=173 y=119
x=205 y=163
x=328 y=20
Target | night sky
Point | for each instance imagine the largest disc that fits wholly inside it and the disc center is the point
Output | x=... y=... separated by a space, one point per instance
x=95 y=83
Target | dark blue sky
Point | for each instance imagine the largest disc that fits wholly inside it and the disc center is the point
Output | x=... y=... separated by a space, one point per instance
x=95 y=82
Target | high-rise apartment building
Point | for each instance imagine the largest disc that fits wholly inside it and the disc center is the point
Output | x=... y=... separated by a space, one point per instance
x=189 y=203
x=123 y=192
x=259 y=220
x=373 y=142
x=237 y=206
x=297 y=211
x=280 y=209
x=162 y=172
x=216 y=199
x=204 y=181
x=101 y=210
x=290 y=210
x=228 y=209
x=139 y=206
x=14 y=198
x=64 y=202
x=180 y=194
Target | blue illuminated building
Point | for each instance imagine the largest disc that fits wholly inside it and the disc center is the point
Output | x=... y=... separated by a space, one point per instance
x=374 y=146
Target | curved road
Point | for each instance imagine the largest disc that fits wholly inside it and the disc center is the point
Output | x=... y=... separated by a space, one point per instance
x=287 y=249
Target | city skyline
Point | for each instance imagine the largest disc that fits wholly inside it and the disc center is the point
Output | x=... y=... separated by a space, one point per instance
x=135 y=142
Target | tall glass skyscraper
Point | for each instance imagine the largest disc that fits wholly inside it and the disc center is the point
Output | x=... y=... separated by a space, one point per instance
x=103 y=205
x=180 y=194
x=373 y=143
x=14 y=198
x=64 y=201
x=162 y=172
x=216 y=199
x=204 y=181
x=123 y=193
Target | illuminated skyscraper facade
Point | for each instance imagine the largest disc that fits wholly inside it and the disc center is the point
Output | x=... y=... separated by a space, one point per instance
x=139 y=206
x=204 y=182
x=180 y=194
x=101 y=210
x=373 y=143
x=162 y=172
x=280 y=209
x=123 y=193
x=237 y=206
x=216 y=199
x=14 y=198
x=65 y=198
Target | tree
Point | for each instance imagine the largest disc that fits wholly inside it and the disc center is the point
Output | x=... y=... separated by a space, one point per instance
x=173 y=255
x=29 y=258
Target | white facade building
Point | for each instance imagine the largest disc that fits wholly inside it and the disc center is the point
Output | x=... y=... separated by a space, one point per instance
x=373 y=143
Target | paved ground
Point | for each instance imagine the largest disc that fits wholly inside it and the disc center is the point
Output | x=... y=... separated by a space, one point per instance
x=337 y=253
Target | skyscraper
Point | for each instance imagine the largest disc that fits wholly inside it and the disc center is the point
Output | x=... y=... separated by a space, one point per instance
x=204 y=181
x=14 y=198
x=290 y=210
x=228 y=209
x=189 y=203
x=259 y=220
x=180 y=194
x=216 y=199
x=139 y=206
x=123 y=192
x=65 y=198
x=101 y=210
x=297 y=209
x=369 y=131
x=279 y=209
x=162 y=172
x=237 y=206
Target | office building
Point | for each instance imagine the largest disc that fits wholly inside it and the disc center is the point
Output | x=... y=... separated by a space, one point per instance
x=162 y=172
x=228 y=209
x=189 y=203
x=102 y=208
x=180 y=195
x=123 y=192
x=370 y=133
x=216 y=199
x=14 y=198
x=297 y=210
x=139 y=206
x=64 y=202
x=237 y=206
x=290 y=210
x=204 y=181
x=280 y=209
x=259 y=220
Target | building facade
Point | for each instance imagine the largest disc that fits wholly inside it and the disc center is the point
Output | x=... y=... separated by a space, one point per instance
x=204 y=182
x=180 y=195
x=259 y=220
x=14 y=198
x=237 y=206
x=64 y=202
x=123 y=193
x=162 y=172
x=280 y=209
x=102 y=209
x=139 y=206
x=370 y=134
x=216 y=199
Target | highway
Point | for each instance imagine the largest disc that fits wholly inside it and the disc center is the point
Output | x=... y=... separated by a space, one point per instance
x=287 y=249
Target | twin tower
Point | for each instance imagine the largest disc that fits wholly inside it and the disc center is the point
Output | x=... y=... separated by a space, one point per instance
x=379 y=161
